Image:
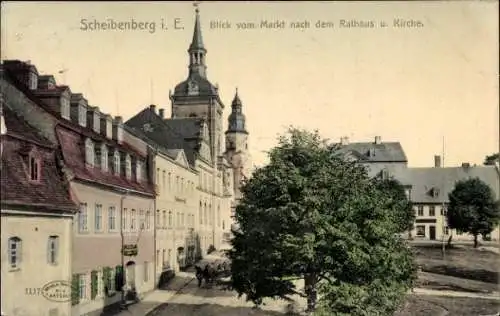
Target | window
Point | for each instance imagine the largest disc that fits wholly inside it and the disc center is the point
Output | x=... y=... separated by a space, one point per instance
x=82 y=115
x=83 y=218
x=163 y=180
x=148 y=220
x=157 y=176
x=169 y=257
x=158 y=219
x=218 y=215
x=432 y=210
x=146 y=271
x=128 y=166
x=210 y=215
x=177 y=184
x=420 y=210
x=65 y=110
x=205 y=216
x=169 y=181
x=14 y=252
x=446 y=230
x=163 y=258
x=98 y=218
x=170 y=219
x=104 y=158
x=52 y=251
x=133 y=220
x=200 y=215
x=443 y=211
x=116 y=166
x=142 y=220
x=182 y=220
x=182 y=185
x=33 y=81
x=89 y=152
x=124 y=219
x=420 y=230
x=34 y=169
x=111 y=218
x=82 y=286
x=158 y=258
x=223 y=225
x=164 y=219
x=100 y=282
x=138 y=171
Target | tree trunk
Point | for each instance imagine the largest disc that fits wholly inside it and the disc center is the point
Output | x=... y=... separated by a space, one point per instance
x=475 y=241
x=310 y=289
x=449 y=240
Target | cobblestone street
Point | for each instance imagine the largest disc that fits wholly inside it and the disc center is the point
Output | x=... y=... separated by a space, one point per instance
x=214 y=301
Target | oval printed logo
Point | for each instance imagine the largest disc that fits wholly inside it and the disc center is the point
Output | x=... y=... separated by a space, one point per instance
x=57 y=291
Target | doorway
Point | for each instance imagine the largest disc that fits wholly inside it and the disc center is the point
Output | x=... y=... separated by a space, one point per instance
x=432 y=232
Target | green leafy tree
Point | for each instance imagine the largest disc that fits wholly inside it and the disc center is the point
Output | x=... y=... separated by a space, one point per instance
x=311 y=215
x=398 y=203
x=491 y=159
x=472 y=208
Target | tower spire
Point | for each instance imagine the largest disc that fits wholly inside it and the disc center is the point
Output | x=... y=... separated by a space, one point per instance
x=197 y=50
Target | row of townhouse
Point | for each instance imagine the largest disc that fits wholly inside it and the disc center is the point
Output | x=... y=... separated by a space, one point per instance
x=428 y=188
x=90 y=203
x=92 y=207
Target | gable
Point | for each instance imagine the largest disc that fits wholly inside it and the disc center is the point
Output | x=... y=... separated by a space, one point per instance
x=182 y=159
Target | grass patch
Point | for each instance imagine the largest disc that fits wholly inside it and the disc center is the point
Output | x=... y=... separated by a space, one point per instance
x=421 y=305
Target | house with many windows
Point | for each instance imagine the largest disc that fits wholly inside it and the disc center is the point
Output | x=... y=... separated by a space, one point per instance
x=113 y=232
x=36 y=222
x=430 y=189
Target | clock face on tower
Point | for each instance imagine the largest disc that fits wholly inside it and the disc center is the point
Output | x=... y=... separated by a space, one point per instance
x=192 y=87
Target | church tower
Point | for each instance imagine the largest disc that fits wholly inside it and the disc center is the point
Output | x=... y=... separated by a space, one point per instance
x=237 y=152
x=197 y=96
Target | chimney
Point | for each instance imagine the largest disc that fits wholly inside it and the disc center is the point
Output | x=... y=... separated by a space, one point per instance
x=161 y=113
x=106 y=127
x=378 y=140
x=118 y=129
x=93 y=118
x=437 y=161
x=152 y=107
x=79 y=107
x=344 y=140
x=23 y=71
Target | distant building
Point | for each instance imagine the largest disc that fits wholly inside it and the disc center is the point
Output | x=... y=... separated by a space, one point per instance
x=430 y=188
x=108 y=179
x=384 y=159
x=36 y=221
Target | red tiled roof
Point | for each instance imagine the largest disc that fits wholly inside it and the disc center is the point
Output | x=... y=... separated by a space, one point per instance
x=50 y=192
x=73 y=149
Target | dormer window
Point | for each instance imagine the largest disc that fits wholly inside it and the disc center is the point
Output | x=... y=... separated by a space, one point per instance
x=34 y=169
x=65 y=108
x=104 y=157
x=82 y=115
x=434 y=192
x=33 y=81
x=128 y=166
x=371 y=152
x=116 y=163
x=138 y=171
x=89 y=152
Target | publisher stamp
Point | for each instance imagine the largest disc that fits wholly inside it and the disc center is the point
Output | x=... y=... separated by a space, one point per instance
x=55 y=291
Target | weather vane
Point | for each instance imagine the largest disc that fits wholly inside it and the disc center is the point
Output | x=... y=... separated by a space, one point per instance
x=196 y=4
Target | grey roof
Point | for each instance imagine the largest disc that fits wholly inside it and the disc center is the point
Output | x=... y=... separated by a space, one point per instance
x=383 y=152
x=171 y=136
x=425 y=180
x=188 y=127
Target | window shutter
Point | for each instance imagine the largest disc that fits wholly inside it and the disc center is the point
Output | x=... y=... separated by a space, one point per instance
x=19 y=247
x=49 y=242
